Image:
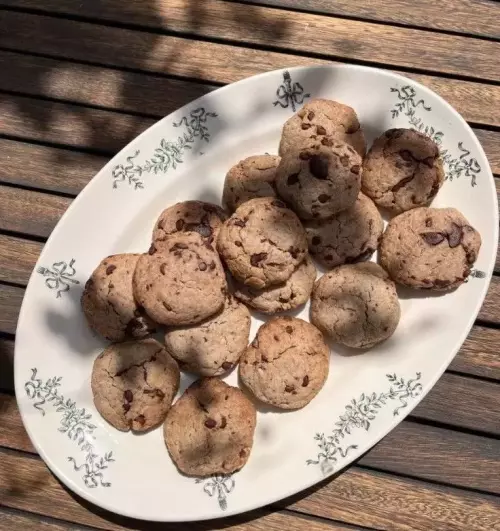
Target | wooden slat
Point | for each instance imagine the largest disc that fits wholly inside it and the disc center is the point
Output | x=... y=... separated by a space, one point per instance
x=10 y=303
x=489 y=311
x=15 y=521
x=439 y=454
x=400 y=47
x=127 y=91
x=490 y=140
x=17 y=259
x=471 y=17
x=47 y=168
x=29 y=212
x=479 y=353
x=6 y=364
x=463 y=402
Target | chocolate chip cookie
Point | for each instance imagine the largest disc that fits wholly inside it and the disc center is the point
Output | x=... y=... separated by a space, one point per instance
x=108 y=300
x=262 y=243
x=182 y=283
x=189 y=216
x=282 y=297
x=134 y=383
x=323 y=118
x=430 y=248
x=351 y=236
x=210 y=429
x=214 y=346
x=250 y=178
x=356 y=305
x=319 y=179
x=402 y=170
x=287 y=363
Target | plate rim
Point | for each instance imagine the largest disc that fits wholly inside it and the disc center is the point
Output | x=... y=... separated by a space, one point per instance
x=388 y=427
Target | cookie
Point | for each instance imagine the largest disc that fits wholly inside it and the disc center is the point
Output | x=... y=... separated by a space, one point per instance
x=182 y=283
x=282 y=297
x=287 y=363
x=210 y=429
x=319 y=179
x=108 y=301
x=429 y=248
x=319 y=119
x=262 y=243
x=356 y=305
x=402 y=170
x=134 y=383
x=351 y=236
x=189 y=216
x=214 y=346
x=250 y=178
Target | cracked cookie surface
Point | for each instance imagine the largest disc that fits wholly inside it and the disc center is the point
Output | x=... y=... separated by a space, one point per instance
x=189 y=216
x=262 y=242
x=351 y=236
x=356 y=305
x=182 y=282
x=214 y=346
x=322 y=118
x=430 y=248
x=282 y=297
x=319 y=179
x=287 y=363
x=210 y=429
x=134 y=383
x=250 y=178
x=402 y=170
x=108 y=300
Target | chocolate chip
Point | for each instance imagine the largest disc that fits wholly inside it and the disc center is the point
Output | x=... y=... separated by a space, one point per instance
x=305 y=381
x=318 y=166
x=310 y=115
x=320 y=130
x=316 y=240
x=160 y=224
x=289 y=329
x=455 y=235
x=394 y=133
x=223 y=423
x=210 y=423
x=152 y=249
x=203 y=230
x=238 y=243
x=278 y=203
x=402 y=182
x=110 y=269
x=304 y=155
x=355 y=169
x=428 y=222
x=126 y=408
x=140 y=419
x=202 y=266
x=429 y=161
x=163 y=268
x=323 y=198
x=179 y=224
x=256 y=258
x=239 y=223
x=406 y=155
x=111 y=285
x=283 y=300
x=289 y=388
x=227 y=365
x=264 y=357
x=212 y=265
x=305 y=126
x=292 y=179
x=242 y=453
x=155 y=392
x=178 y=245
x=167 y=306
x=327 y=142
x=433 y=238
x=128 y=395
x=344 y=160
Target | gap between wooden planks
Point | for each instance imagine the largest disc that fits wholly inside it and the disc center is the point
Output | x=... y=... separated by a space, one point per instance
x=302 y=32
x=352 y=497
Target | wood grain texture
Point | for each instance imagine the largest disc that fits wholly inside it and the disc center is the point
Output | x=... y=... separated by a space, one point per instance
x=29 y=212
x=307 y=33
x=6 y=365
x=47 y=168
x=463 y=402
x=479 y=353
x=17 y=259
x=438 y=454
x=16 y=521
x=10 y=302
x=471 y=17
x=489 y=311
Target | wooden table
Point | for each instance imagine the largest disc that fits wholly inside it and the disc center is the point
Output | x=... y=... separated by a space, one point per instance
x=80 y=79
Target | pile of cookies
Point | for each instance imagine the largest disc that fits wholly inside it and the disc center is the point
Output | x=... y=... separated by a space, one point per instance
x=208 y=265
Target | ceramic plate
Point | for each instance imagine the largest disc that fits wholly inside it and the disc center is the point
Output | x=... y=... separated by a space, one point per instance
x=186 y=156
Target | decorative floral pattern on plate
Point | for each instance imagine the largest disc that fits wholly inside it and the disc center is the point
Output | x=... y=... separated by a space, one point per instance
x=219 y=485
x=360 y=414
x=75 y=423
x=290 y=94
x=409 y=105
x=59 y=276
x=168 y=154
